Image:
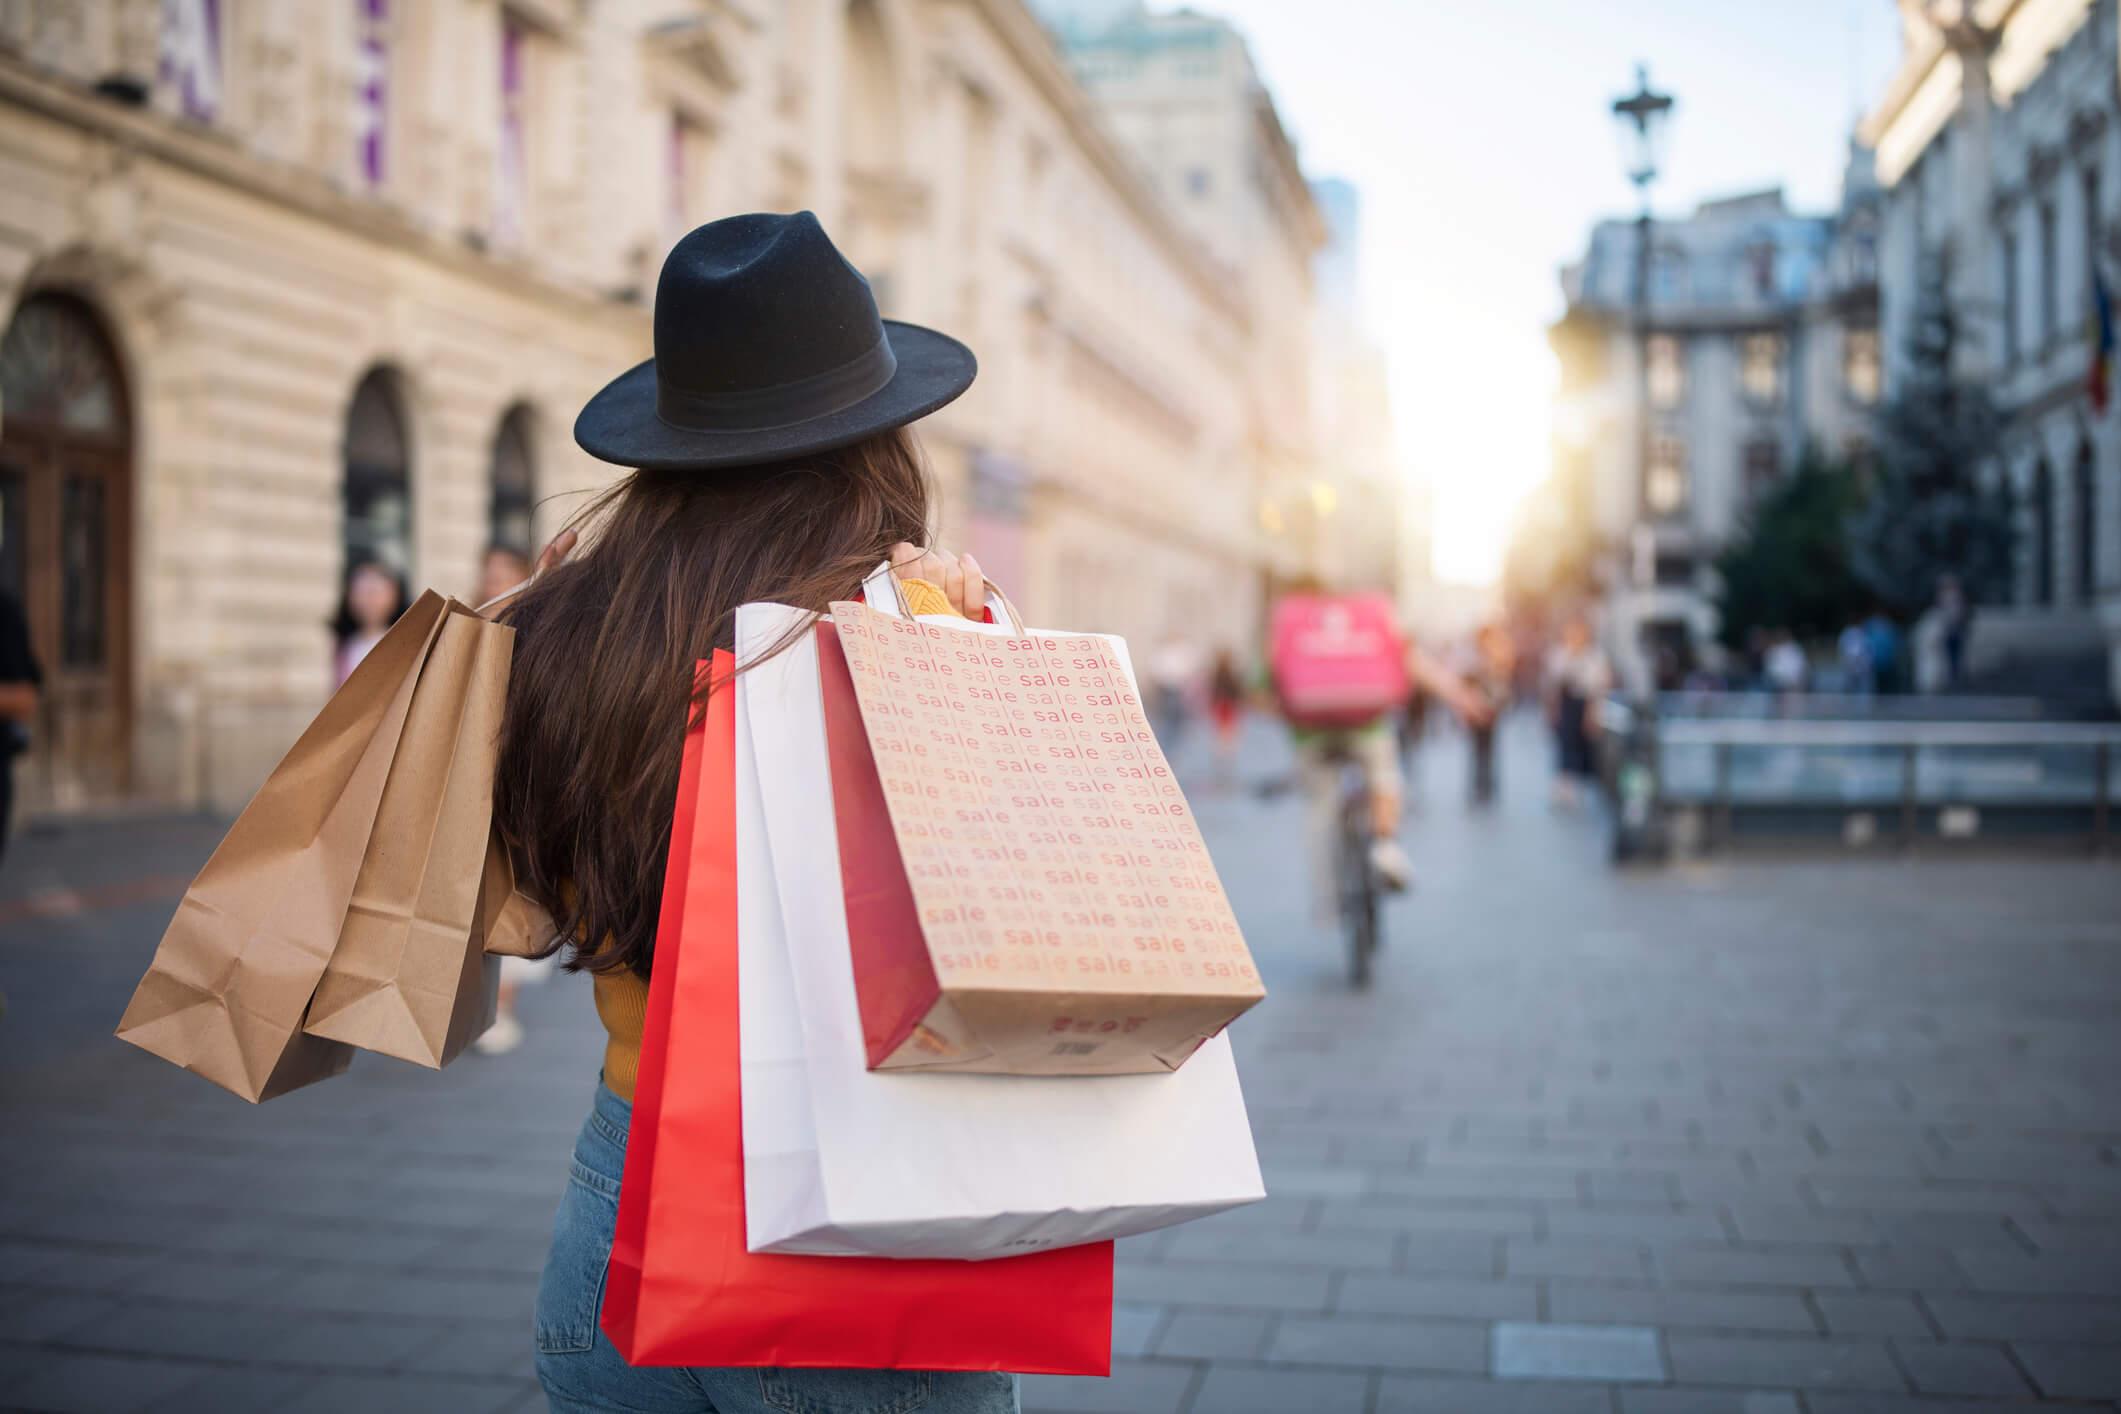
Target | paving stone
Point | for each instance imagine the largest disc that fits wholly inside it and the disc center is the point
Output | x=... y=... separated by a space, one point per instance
x=1218 y=1284
x=1132 y=1328
x=1707 y=1401
x=1201 y=1243
x=2051 y=1319
x=1606 y=1261
x=2053 y=1273
x=95 y=1384
x=1871 y=1313
x=234 y=1390
x=2073 y=1371
x=1802 y=1226
x=1363 y=1292
x=1923 y=1269
x=1823 y=1403
x=1959 y=1369
x=1481 y=1181
x=1694 y=1225
x=34 y=1313
x=1385 y=1215
x=1433 y=1394
x=1786 y=1362
x=1523 y=1351
x=1700 y=1310
x=1234 y=1389
x=1472 y=1254
x=1391 y=1344
x=402 y=1394
x=1213 y=1335
x=1629 y=1186
x=1135 y=1387
x=1729 y=1266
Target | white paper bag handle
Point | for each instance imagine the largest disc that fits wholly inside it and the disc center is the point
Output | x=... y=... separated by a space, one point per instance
x=883 y=592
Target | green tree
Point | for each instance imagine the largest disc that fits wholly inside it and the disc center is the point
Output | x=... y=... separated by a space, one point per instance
x=1789 y=565
x=1935 y=506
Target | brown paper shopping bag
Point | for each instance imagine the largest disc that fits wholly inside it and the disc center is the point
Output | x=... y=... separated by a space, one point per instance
x=1026 y=890
x=226 y=992
x=410 y=977
x=512 y=923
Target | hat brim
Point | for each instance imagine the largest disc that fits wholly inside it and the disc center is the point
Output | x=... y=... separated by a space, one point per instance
x=620 y=423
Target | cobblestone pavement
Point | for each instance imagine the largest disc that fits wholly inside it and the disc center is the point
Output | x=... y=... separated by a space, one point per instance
x=1762 y=1137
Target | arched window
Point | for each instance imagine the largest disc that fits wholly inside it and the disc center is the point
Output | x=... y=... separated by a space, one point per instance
x=378 y=484
x=2043 y=497
x=509 y=514
x=2084 y=523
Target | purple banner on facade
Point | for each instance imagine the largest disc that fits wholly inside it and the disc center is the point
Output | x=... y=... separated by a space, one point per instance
x=191 y=56
x=372 y=91
x=509 y=176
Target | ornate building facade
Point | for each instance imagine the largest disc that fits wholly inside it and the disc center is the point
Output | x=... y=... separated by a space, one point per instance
x=1759 y=339
x=290 y=281
x=1997 y=143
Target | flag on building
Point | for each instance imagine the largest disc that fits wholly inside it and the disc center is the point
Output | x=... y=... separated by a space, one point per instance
x=2100 y=379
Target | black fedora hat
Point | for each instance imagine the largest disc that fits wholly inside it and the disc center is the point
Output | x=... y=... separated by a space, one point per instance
x=767 y=346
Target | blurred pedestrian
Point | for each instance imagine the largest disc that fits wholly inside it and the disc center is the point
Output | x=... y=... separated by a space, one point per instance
x=1226 y=705
x=1886 y=650
x=1493 y=674
x=1956 y=618
x=1578 y=677
x=501 y=569
x=765 y=473
x=1858 y=671
x=1786 y=668
x=1174 y=672
x=21 y=686
x=373 y=601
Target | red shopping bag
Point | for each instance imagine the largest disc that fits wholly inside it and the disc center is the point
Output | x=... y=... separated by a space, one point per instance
x=681 y=1288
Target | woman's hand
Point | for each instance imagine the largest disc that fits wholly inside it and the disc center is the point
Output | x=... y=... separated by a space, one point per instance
x=557 y=552
x=958 y=576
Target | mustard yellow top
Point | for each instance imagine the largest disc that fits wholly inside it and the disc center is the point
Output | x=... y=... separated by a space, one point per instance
x=622 y=997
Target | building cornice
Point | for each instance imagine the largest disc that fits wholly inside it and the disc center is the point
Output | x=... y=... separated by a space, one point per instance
x=217 y=156
x=1027 y=41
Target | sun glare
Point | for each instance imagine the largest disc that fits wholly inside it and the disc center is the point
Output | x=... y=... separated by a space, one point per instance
x=1473 y=427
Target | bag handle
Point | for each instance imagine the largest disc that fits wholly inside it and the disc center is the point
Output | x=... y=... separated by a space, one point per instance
x=883 y=592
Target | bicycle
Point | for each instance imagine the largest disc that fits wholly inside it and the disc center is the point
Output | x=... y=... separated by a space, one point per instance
x=1357 y=887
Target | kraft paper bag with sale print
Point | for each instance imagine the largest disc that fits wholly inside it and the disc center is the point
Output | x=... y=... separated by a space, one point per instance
x=1027 y=891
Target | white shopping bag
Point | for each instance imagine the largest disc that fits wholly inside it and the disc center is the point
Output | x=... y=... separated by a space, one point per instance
x=841 y=1160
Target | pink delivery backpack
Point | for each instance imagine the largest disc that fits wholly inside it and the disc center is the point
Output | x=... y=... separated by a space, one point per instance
x=1338 y=659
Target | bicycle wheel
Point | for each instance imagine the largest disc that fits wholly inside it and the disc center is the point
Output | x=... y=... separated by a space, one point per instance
x=1358 y=892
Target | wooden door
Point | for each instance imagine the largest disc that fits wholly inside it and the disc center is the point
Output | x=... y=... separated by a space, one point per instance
x=65 y=545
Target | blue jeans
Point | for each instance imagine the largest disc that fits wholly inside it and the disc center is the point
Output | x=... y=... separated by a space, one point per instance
x=582 y=1371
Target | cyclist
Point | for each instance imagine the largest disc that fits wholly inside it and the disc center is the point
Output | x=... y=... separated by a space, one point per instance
x=1340 y=668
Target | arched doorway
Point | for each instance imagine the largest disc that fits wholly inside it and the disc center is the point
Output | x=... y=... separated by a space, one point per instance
x=378 y=481
x=66 y=543
x=508 y=518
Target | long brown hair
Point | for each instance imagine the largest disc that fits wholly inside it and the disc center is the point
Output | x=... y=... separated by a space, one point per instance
x=605 y=651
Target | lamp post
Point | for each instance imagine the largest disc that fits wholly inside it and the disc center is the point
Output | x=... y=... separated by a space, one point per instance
x=1641 y=118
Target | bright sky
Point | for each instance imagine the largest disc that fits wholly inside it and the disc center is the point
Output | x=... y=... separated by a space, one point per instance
x=1480 y=136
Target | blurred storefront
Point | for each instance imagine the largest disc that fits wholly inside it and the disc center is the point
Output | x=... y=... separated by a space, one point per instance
x=294 y=281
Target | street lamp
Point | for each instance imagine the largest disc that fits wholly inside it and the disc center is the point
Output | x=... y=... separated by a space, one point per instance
x=1641 y=119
